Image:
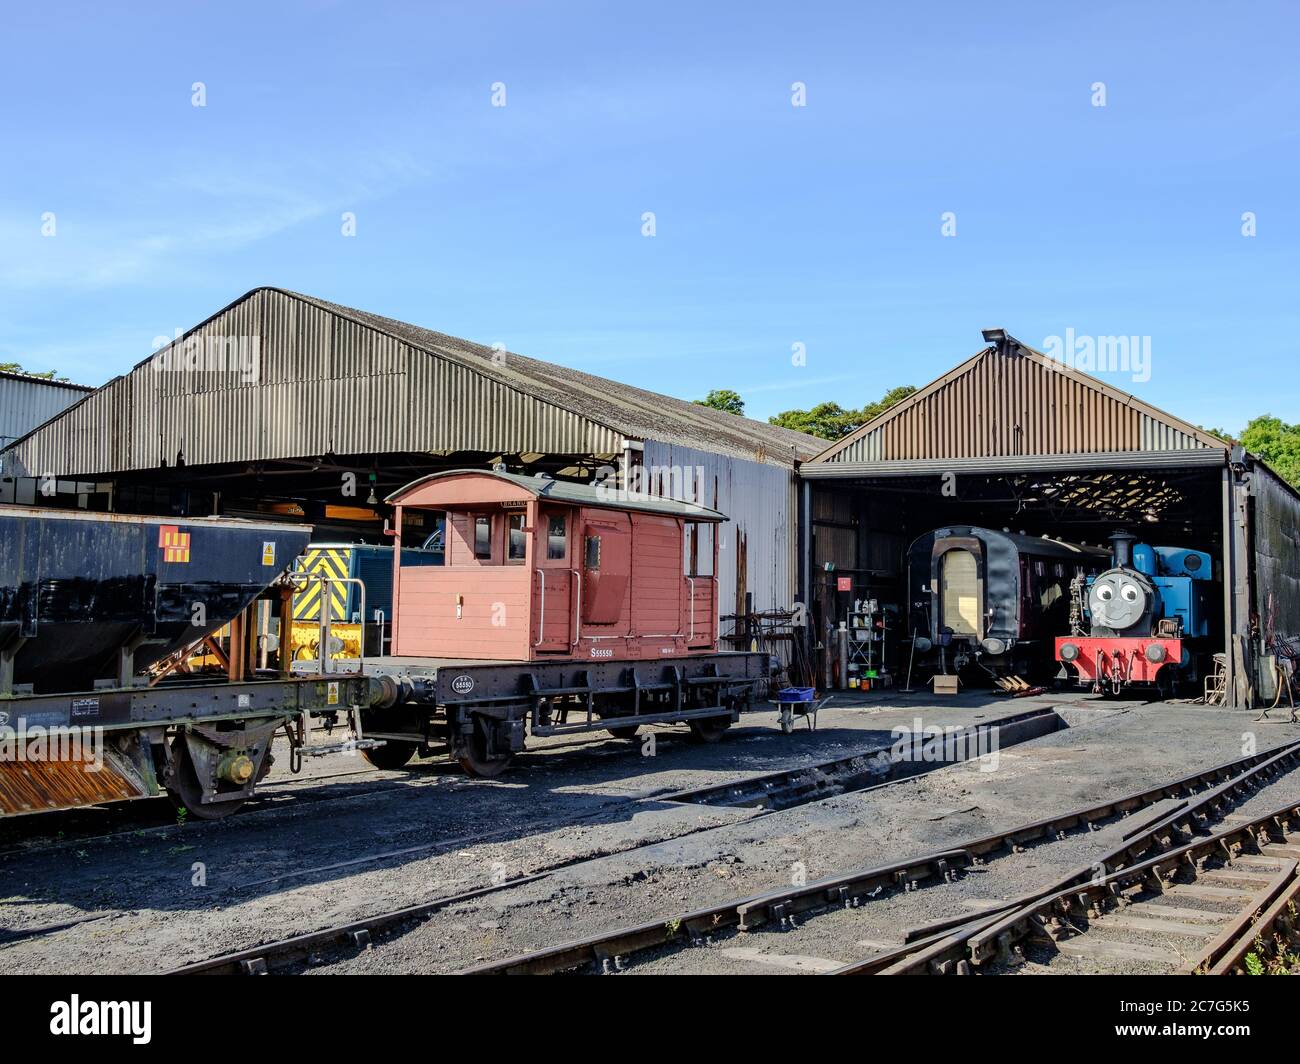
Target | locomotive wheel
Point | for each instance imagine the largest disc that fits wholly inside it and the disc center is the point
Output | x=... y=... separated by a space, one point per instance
x=186 y=793
x=627 y=731
x=392 y=755
x=708 y=729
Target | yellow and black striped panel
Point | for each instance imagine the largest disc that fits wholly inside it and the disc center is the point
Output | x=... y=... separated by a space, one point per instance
x=323 y=561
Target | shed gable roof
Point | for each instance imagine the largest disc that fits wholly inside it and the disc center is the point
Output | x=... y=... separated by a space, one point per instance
x=1014 y=402
x=633 y=411
x=371 y=385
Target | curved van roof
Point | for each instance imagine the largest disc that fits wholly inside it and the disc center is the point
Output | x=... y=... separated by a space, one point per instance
x=423 y=492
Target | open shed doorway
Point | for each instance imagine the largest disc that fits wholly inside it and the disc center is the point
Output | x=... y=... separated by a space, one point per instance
x=862 y=527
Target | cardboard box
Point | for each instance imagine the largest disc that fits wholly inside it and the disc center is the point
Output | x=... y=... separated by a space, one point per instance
x=945 y=685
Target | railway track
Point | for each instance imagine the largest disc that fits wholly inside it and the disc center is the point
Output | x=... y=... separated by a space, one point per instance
x=74 y=828
x=1203 y=906
x=1203 y=793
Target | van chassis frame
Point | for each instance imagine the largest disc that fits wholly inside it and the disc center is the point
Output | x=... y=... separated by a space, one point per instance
x=482 y=712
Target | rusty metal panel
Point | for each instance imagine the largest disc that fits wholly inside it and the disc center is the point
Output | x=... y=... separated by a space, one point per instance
x=40 y=785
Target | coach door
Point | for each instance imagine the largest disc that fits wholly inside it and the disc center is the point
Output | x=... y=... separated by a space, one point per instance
x=553 y=581
x=606 y=573
x=960 y=593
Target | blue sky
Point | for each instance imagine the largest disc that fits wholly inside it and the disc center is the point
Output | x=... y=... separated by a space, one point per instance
x=775 y=225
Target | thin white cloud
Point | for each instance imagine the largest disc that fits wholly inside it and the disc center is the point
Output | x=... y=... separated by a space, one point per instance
x=238 y=211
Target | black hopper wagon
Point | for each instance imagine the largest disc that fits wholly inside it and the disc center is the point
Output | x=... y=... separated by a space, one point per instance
x=99 y=614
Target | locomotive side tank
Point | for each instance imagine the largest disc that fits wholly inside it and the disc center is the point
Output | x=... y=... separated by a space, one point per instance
x=991 y=600
x=1140 y=621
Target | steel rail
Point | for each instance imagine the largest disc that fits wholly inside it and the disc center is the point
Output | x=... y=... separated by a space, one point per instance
x=1269 y=930
x=744 y=913
x=1230 y=946
x=1056 y=906
x=609 y=949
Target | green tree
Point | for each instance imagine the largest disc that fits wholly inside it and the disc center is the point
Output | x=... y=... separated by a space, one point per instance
x=831 y=421
x=724 y=399
x=1277 y=443
x=14 y=367
x=1223 y=434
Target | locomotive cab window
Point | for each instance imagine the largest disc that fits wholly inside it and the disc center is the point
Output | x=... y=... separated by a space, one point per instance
x=556 y=538
x=516 y=538
x=592 y=560
x=482 y=537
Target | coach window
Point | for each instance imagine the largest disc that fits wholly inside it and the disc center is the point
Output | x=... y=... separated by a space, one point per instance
x=483 y=537
x=593 y=553
x=516 y=540
x=424 y=538
x=699 y=548
x=556 y=538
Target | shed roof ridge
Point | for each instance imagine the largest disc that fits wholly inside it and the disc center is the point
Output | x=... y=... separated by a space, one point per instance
x=1040 y=359
x=36 y=378
x=535 y=383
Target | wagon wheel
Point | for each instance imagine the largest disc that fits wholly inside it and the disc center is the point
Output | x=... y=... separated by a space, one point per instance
x=627 y=731
x=473 y=757
x=708 y=729
x=392 y=755
x=186 y=792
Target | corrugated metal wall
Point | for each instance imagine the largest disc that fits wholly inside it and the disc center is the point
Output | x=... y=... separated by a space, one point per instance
x=1006 y=406
x=761 y=504
x=322 y=383
x=1159 y=436
x=1277 y=555
x=24 y=404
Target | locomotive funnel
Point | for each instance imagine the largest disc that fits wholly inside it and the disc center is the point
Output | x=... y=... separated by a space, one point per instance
x=1121 y=543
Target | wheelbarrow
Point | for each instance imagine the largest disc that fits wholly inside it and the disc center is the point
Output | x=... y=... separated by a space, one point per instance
x=794 y=702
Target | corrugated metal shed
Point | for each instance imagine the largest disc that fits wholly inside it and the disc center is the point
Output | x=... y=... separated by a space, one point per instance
x=1014 y=402
x=758 y=545
x=27 y=401
x=1276 y=556
x=313 y=377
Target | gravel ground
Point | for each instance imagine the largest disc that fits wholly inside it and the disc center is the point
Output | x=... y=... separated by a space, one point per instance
x=153 y=895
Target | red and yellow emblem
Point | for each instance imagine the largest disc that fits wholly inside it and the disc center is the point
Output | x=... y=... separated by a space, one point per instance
x=175 y=544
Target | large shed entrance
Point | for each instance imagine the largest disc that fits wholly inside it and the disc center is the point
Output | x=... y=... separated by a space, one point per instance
x=1015 y=442
x=860 y=529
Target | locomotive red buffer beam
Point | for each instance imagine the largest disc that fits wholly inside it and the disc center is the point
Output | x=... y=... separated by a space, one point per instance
x=1130 y=659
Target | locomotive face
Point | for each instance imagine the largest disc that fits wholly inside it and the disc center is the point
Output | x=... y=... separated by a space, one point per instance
x=1116 y=600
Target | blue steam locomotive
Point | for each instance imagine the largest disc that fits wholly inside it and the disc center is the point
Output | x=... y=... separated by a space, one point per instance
x=1141 y=621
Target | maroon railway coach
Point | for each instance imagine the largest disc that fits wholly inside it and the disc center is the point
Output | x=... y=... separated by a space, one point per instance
x=558 y=608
